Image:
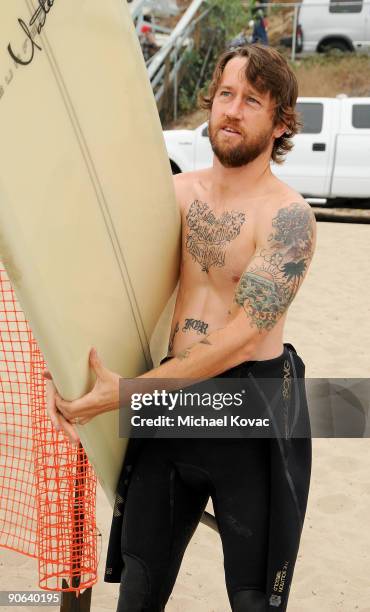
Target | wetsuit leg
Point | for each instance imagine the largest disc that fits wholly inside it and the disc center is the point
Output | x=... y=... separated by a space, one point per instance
x=161 y=515
x=241 y=502
x=249 y=600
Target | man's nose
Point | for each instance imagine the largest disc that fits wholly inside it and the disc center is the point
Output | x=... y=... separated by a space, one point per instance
x=235 y=108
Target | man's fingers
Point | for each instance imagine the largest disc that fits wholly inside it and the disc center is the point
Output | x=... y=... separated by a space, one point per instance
x=67 y=428
x=82 y=421
x=96 y=363
x=70 y=431
x=57 y=418
x=50 y=404
x=69 y=409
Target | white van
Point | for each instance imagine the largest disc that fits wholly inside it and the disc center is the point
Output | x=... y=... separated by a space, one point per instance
x=335 y=24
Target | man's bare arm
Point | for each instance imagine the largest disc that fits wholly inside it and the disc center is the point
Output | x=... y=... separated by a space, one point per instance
x=278 y=267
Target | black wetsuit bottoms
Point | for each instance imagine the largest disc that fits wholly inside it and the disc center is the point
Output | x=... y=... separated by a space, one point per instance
x=259 y=494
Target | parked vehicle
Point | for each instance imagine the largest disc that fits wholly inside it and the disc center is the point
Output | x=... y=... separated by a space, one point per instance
x=334 y=24
x=287 y=41
x=331 y=155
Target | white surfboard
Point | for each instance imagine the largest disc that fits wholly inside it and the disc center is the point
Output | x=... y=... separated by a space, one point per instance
x=89 y=227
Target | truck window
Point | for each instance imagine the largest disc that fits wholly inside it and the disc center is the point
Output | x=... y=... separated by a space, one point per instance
x=311 y=115
x=345 y=6
x=361 y=116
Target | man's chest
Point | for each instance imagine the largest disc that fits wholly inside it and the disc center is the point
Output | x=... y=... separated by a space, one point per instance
x=217 y=243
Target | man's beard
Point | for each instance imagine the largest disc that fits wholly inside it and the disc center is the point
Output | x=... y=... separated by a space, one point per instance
x=243 y=151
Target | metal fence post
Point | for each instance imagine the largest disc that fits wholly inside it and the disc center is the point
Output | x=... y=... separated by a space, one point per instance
x=175 y=86
x=294 y=37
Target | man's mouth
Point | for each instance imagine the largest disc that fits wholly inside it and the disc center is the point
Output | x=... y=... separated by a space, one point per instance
x=230 y=130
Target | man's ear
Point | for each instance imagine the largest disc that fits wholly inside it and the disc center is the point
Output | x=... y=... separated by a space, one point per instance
x=280 y=129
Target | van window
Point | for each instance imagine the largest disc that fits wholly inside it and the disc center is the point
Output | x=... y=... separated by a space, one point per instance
x=361 y=116
x=345 y=6
x=311 y=115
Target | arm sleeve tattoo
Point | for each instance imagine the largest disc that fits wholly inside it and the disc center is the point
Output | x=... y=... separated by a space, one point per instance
x=273 y=276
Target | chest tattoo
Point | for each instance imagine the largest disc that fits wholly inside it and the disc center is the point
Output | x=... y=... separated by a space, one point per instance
x=208 y=235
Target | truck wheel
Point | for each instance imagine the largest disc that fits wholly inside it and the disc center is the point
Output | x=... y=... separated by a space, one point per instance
x=174 y=167
x=335 y=45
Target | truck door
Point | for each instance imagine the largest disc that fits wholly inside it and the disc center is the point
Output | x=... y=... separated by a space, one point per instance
x=203 y=150
x=308 y=166
x=351 y=177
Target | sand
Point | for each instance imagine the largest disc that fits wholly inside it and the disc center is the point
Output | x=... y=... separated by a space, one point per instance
x=329 y=324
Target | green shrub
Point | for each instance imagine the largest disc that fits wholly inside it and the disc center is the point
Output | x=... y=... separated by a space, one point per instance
x=224 y=21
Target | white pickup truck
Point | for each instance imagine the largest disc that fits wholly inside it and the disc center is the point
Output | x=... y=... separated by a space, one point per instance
x=331 y=155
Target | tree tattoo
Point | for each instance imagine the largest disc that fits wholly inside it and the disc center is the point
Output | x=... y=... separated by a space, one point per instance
x=269 y=285
x=194 y=324
x=208 y=236
x=186 y=352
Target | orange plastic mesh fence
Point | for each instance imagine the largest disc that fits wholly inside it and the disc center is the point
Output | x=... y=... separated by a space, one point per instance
x=47 y=486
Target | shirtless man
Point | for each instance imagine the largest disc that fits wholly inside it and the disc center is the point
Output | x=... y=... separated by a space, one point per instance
x=247 y=242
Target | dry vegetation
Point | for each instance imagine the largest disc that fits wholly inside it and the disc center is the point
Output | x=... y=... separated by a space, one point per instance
x=332 y=75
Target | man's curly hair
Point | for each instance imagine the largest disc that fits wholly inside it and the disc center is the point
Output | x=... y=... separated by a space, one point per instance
x=268 y=71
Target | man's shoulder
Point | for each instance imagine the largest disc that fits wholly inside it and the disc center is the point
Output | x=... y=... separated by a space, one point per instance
x=190 y=178
x=293 y=205
x=286 y=197
x=186 y=184
x=288 y=209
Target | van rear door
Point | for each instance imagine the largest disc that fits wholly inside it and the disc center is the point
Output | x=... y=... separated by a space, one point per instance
x=351 y=177
x=308 y=166
x=203 y=150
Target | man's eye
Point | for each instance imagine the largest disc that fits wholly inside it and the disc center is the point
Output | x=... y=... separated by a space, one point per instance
x=250 y=99
x=224 y=93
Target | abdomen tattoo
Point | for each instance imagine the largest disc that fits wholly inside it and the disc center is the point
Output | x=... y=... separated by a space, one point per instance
x=196 y=325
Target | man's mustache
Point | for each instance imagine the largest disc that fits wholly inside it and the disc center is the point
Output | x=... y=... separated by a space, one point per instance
x=227 y=125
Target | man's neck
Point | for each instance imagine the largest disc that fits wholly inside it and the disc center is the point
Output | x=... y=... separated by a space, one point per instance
x=254 y=180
